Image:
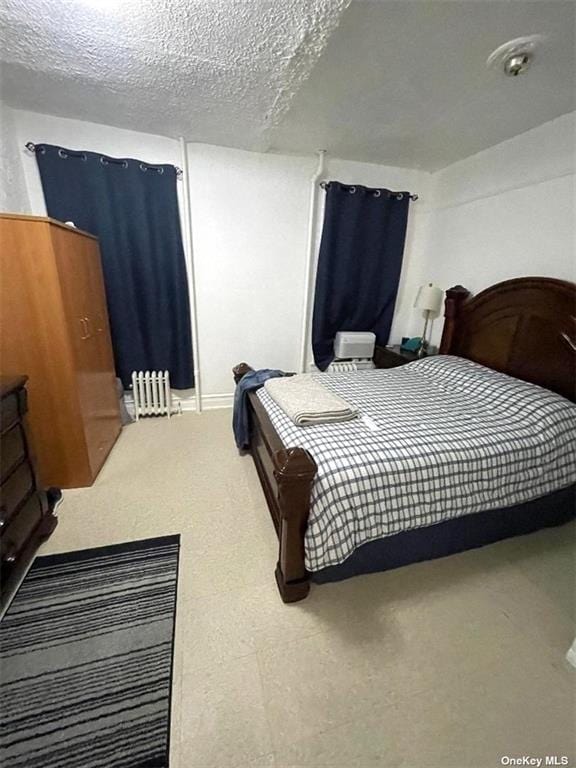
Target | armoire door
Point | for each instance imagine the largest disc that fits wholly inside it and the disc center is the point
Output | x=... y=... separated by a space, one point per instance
x=107 y=406
x=35 y=340
x=81 y=290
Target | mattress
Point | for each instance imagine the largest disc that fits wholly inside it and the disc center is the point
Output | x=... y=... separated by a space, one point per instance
x=435 y=439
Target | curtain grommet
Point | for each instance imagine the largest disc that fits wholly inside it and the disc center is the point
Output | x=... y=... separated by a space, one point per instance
x=399 y=196
x=377 y=193
x=62 y=154
x=103 y=161
x=143 y=167
x=352 y=190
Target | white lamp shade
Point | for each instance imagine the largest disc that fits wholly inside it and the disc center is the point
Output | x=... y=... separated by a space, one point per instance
x=429 y=298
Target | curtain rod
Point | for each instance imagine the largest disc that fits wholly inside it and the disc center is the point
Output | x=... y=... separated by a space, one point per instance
x=352 y=189
x=31 y=147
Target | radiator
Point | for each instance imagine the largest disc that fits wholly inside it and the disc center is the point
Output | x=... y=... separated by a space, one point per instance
x=152 y=394
x=338 y=366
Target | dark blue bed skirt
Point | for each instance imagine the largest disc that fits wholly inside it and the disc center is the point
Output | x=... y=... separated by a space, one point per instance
x=456 y=535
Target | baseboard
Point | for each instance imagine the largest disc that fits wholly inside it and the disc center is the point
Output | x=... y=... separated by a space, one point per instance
x=210 y=402
x=186 y=405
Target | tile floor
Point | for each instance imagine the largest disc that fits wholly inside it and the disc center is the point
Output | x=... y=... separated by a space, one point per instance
x=458 y=662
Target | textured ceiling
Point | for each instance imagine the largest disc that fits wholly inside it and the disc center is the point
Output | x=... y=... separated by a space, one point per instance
x=216 y=71
x=406 y=83
x=402 y=82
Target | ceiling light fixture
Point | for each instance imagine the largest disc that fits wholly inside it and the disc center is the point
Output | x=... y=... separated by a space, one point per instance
x=517 y=64
x=515 y=56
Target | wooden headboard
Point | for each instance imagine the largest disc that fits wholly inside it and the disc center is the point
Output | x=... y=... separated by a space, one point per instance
x=524 y=327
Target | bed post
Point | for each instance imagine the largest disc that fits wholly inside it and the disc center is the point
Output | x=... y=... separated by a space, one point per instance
x=294 y=471
x=455 y=297
x=240 y=370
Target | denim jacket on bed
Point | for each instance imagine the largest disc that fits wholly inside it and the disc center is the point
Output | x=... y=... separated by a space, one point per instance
x=240 y=418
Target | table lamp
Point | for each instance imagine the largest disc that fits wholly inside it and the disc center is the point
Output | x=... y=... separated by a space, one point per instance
x=429 y=300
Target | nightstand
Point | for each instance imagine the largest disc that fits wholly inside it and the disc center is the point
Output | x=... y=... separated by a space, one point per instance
x=391 y=357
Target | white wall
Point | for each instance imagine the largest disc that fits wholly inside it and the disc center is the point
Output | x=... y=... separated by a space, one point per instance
x=249 y=215
x=249 y=218
x=509 y=211
x=13 y=194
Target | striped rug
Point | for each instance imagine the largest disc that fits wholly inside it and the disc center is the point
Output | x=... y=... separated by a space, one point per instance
x=86 y=659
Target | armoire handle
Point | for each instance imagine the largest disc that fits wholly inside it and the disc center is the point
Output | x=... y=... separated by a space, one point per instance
x=88 y=327
x=84 y=328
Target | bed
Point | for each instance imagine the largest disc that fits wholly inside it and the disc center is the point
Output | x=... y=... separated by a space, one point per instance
x=343 y=504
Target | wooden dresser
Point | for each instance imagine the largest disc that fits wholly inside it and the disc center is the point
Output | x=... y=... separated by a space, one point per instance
x=55 y=330
x=26 y=516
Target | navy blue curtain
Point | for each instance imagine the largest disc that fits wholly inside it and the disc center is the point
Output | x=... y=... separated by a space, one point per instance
x=132 y=207
x=359 y=264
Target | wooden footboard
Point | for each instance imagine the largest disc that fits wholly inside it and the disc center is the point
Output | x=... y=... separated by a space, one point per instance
x=286 y=475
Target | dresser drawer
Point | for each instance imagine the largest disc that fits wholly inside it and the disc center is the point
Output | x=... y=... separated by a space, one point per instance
x=14 y=490
x=13 y=450
x=19 y=530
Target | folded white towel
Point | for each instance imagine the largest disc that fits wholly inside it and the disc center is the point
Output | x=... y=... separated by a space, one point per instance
x=305 y=401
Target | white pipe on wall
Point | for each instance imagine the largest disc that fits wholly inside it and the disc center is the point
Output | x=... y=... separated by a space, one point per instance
x=310 y=256
x=189 y=254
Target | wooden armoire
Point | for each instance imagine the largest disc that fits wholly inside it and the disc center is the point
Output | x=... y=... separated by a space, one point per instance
x=54 y=328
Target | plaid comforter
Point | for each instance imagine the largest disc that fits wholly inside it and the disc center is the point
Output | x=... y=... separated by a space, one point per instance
x=438 y=438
